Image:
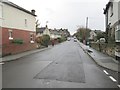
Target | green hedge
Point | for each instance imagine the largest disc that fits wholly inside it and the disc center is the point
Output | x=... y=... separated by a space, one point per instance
x=45 y=40
x=17 y=41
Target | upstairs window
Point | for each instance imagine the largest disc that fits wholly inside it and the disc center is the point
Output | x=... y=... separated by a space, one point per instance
x=0 y=11
x=25 y=22
x=111 y=11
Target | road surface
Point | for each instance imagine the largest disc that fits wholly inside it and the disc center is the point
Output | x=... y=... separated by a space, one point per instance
x=63 y=66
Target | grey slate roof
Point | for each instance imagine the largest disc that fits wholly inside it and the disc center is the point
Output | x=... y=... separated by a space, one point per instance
x=54 y=32
x=16 y=6
x=40 y=30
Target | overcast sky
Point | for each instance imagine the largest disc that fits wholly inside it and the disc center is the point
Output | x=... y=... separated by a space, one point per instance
x=67 y=14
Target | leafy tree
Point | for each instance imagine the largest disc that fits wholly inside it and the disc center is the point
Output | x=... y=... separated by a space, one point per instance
x=100 y=35
x=45 y=40
x=82 y=33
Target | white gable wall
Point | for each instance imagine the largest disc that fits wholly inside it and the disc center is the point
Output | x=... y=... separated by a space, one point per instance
x=0 y=14
x=15 y=18
x=46 y=32
x=114 y=18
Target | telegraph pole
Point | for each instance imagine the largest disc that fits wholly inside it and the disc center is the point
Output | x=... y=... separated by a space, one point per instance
x=46 y=24
x=85 y=34
x=86 y=23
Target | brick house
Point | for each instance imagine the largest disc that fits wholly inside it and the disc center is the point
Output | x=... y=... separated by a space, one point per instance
x=18 y=28
x=112 y=17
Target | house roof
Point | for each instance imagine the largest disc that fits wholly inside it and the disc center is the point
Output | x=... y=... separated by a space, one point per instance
x=40 y=30
x=56 y=32
x=16 y=6
x=98 y=31
x=107 y=7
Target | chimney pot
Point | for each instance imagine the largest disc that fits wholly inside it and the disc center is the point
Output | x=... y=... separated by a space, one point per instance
x=33 y=11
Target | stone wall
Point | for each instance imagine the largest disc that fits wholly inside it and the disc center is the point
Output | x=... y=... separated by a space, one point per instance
x=108 y=49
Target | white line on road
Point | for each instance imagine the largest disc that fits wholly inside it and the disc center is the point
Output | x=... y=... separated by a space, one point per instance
x=118 y=86
x=105 y=72
x=112 y=79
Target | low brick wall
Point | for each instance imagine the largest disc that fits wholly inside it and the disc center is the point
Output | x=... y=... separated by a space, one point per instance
x=108 y=49
x=14 y=48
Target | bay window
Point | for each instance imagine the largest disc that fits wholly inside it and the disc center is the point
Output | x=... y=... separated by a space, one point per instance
x=117 y=33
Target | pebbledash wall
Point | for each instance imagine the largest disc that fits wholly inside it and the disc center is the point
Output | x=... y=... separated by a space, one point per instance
x=17 y=24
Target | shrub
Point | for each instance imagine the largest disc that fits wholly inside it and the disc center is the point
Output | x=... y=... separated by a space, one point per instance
x=63 y=38
x=45 y=40
x=39 y=39
x=17 y=41
x=59 y=40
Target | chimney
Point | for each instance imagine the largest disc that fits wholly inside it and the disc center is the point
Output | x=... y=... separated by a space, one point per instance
x=33 y=11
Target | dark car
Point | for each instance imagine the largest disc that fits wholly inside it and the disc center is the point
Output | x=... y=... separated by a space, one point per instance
x=75 y=40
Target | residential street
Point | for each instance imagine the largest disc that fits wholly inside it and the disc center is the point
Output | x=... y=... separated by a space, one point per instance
x=65 y=65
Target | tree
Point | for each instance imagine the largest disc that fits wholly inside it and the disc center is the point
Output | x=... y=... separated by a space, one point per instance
x=45 y=40
x=82 y=33
x=100 y=35
x=37 y=24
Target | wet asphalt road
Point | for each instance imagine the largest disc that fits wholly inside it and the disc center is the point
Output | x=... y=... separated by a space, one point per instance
x=63 y=66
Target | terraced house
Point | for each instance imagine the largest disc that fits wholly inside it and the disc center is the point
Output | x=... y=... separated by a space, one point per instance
x=112 y=16
x=18 y=28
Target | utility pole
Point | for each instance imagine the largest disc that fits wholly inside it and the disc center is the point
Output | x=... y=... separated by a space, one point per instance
x=86 y=23
x=85 y=34
x=46 y=24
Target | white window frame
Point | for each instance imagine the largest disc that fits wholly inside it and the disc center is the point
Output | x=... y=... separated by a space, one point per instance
x=117 y=28
x=32 y=38
x=26 y=22
x=10 y=34
x=111 y=10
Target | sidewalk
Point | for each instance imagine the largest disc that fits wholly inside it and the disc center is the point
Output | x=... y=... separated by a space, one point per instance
x=17 y=56
x=100 y=58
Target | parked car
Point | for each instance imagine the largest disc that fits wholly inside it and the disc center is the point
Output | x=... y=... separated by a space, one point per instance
x=75 y=40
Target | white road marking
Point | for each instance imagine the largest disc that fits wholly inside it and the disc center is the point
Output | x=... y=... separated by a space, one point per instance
x=105 y=72
x=118 y=86
x=112 y=79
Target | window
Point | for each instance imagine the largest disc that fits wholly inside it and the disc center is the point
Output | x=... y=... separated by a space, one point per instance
x=31 y=38
x=117 y=33
x=25 y=22
x=111 y=10
x=0 y=11
x=10 y=35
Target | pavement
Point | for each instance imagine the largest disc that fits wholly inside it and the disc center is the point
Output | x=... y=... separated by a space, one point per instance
x=101 y=59
x=20 y=55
